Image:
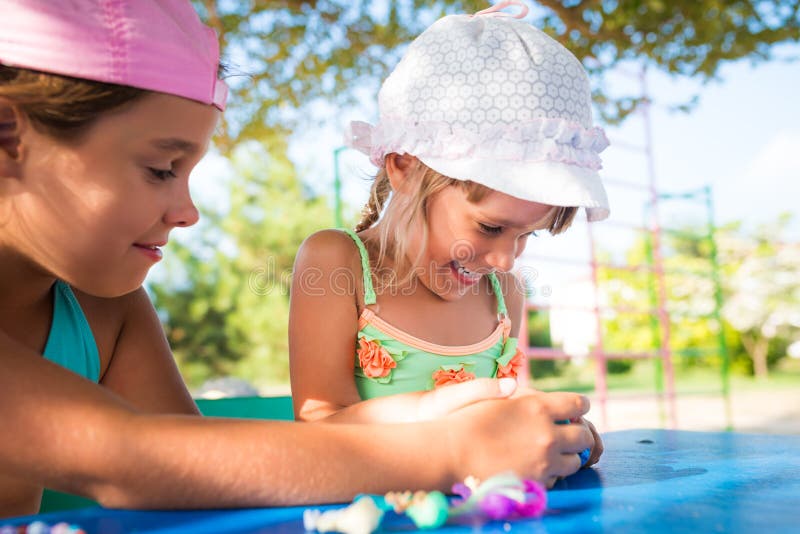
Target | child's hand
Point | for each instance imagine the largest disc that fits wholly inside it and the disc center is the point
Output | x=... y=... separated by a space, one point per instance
x=519 y=434
x=424 y=405
x=444 y=400
x=597 y=448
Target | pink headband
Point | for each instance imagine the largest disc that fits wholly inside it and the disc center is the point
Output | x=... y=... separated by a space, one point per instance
x=159 y=45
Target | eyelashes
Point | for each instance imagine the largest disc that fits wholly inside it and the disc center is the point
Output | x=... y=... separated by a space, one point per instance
x=493 y=230
x=497 y=230
x=162 y=174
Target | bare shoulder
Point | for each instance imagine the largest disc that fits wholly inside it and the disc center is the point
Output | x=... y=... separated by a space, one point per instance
x=328 y=249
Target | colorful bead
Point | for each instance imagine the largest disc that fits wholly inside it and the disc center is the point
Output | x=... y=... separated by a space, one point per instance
x=430 y=512
x=497 y=506
x=500 y=497
x=40 y=527
x=363 y=516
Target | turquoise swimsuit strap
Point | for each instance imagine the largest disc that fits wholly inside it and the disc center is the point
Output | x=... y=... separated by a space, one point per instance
x=71 y=343
x=501 y=302
x=369 y=291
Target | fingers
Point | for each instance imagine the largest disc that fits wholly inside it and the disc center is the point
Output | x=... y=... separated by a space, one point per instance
x=523 y=391
x=568 y=441
x=597 y=448
x=444 y=400
x=567 y=465
x=564 y=406
x=573 y=438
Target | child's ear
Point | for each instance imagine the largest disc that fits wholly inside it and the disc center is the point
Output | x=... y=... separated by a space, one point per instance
x=12 y=123
x=399 y=169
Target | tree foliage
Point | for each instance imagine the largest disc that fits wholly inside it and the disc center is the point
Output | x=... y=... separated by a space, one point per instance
x=290 y=53
x=225 y=300
x=763 y=293
x=633 y=324
x=760 y=283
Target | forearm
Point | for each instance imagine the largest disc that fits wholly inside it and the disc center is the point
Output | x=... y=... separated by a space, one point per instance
x=186 y=462
x=62 y=432
x=403 y=408
x=146 y=461
x=423 y=405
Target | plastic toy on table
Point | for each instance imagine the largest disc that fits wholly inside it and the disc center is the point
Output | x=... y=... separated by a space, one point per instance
x=501 y=497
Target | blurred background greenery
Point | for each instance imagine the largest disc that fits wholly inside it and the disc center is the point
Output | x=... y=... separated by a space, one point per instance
x=292 y=65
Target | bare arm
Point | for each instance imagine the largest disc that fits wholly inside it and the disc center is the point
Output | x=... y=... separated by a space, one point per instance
x=323 y=324
x=64 y=432
x=141 y=368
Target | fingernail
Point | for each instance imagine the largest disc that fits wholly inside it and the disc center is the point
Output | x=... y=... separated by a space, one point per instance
x=507 y=386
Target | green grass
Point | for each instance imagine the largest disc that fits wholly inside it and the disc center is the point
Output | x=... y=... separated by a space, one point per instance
x=688 y=380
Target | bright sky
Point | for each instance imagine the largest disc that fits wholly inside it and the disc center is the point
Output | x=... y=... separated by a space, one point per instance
x=743 y=139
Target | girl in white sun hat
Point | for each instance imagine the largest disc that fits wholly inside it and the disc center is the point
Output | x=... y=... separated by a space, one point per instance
x=485 y=137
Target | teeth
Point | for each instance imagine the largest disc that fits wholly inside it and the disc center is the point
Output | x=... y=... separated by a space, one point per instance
x=464 y=272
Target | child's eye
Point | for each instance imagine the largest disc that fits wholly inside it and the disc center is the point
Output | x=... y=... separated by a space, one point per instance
x=490 y=229
x=162 y=174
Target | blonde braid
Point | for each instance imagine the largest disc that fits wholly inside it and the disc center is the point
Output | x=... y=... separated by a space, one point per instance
x=378 y=194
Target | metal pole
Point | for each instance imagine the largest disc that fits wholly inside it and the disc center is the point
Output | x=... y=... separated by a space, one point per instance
x=654 y=322
x=601 y=369
x=663 y=316
x=723 y=344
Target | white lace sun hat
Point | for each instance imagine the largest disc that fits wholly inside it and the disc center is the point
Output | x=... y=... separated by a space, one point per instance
x=491 y=99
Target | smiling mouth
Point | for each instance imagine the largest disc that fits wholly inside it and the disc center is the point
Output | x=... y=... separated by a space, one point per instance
x=465 y=273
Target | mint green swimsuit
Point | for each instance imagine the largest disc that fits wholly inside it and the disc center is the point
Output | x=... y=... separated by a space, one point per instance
x=71 y=343
x=417 y=364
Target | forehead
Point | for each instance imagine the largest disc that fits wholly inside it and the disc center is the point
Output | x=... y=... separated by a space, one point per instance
x=504 y=210
x=166 y=122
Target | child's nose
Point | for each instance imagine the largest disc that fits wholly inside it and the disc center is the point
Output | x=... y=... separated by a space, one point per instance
x=182 y=212
x=502 y=258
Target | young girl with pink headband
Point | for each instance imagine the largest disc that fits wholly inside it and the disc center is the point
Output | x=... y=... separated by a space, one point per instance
x=106 y=106
x=484 y=138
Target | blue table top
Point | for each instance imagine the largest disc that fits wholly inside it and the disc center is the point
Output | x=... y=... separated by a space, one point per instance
x=650 y=481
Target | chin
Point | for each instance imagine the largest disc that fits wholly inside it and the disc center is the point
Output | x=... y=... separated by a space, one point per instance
x=109 y=288
x=452 y=297
x=451 y=294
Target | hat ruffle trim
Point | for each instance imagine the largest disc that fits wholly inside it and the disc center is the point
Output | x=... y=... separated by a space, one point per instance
x=539 y=140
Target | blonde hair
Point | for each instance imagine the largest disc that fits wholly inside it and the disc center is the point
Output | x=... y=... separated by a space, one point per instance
x=400 y=215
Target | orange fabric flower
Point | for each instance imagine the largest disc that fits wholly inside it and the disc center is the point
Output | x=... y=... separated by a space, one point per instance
x=374 y=359
x=444 y=377
x=513 y=367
